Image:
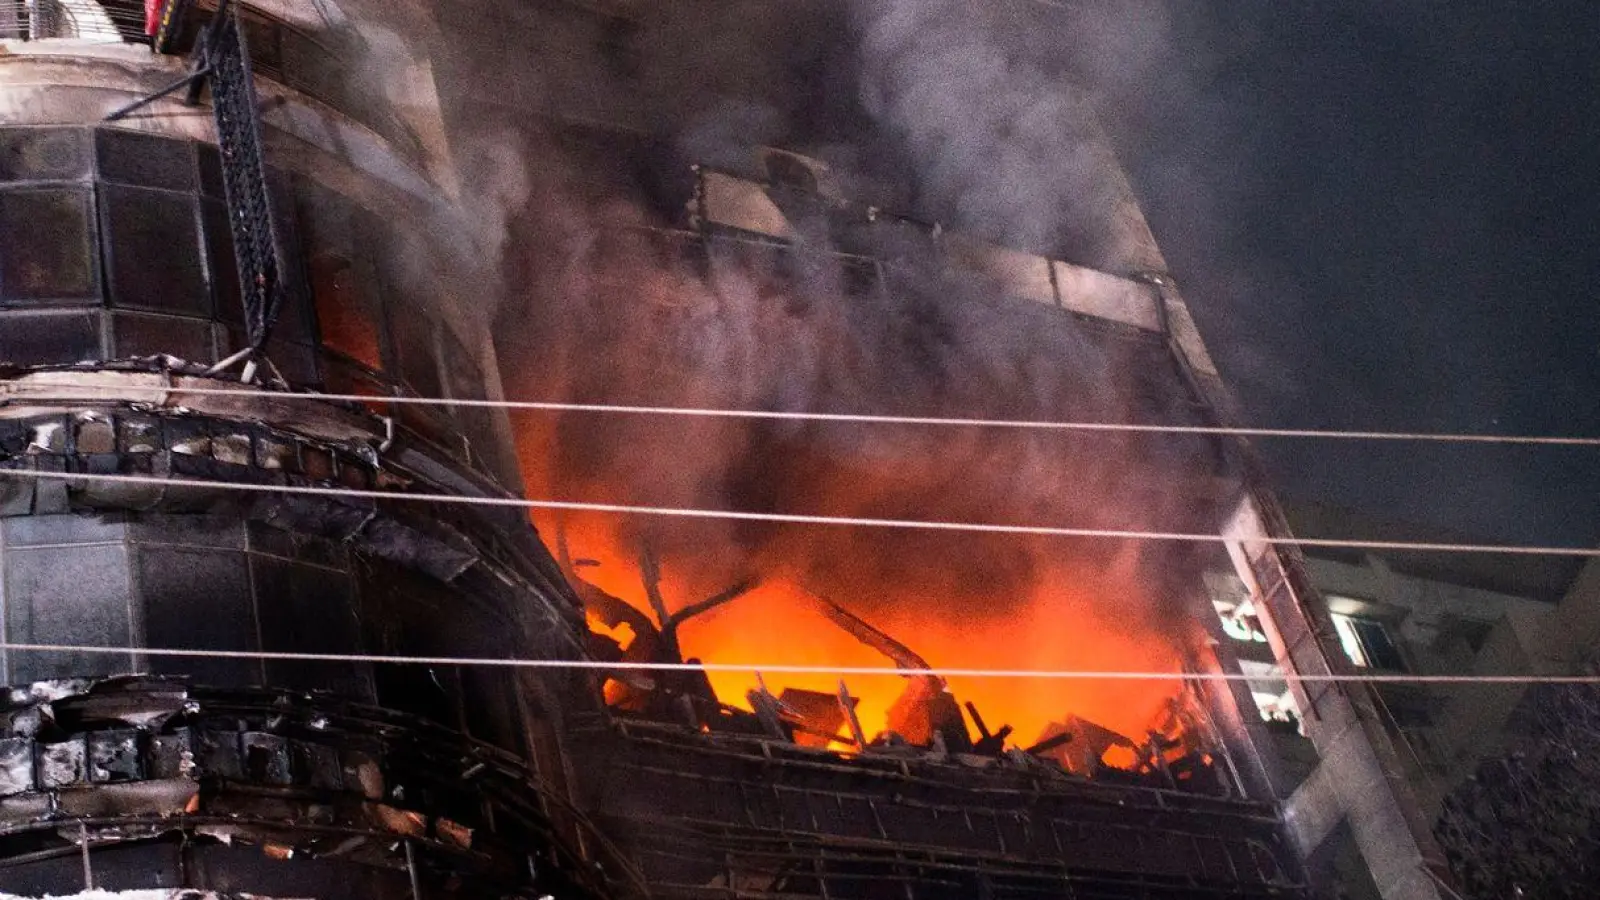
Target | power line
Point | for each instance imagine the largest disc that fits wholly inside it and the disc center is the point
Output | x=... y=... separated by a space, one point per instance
x=861 y=418
x=783 y=669
x=798 y=519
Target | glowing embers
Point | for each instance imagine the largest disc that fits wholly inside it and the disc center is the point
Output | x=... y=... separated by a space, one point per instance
x=1146 y=731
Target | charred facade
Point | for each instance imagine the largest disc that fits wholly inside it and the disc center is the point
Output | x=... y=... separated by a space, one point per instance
x=154 y=247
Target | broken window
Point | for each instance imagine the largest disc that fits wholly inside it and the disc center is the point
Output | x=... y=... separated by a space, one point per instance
x=309 y=610
x=489 y=697
x=347 y=320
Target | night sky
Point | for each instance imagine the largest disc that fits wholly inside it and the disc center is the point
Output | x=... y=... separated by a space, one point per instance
x=1385 y=216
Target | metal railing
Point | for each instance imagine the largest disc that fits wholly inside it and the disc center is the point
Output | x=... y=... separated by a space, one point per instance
x=111 y=21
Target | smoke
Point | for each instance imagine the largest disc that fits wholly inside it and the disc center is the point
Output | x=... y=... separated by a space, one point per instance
x=999 y=144
x=960 y=114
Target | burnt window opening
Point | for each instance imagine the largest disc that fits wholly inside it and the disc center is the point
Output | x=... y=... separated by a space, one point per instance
x=431 y=692
x=348 y=324
x=491 y=710
x=791 y=172
x=311 y=611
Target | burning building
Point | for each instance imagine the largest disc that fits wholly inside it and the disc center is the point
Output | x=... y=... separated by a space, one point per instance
x=233 y=264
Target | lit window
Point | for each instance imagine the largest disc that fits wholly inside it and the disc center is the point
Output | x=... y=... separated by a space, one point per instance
x=1367 y=643
x=346 y=323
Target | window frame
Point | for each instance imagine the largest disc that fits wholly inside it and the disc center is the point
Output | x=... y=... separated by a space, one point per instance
x=1354 y=633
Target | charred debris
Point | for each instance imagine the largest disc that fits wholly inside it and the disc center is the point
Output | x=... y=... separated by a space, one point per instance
x=927 y=723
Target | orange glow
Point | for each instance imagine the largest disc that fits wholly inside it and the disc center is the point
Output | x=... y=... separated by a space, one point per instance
x=1057 y=627
x=637 y=324
x=342 y=319
x=622 y=632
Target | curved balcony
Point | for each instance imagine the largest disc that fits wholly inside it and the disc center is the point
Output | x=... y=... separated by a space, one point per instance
x=137 y=783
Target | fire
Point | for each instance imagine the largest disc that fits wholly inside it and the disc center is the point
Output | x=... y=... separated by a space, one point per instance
x=634 y=322
x=1058 y=627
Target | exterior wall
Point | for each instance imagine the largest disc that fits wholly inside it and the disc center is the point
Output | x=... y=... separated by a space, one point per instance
x=373 y=269
x=118 y=291
x=1442 y=732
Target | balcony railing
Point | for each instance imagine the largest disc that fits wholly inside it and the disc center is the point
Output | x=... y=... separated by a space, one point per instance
x=109 y=21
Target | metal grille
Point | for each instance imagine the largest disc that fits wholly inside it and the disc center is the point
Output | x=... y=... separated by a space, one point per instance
x=93 y=20
x=256 y=235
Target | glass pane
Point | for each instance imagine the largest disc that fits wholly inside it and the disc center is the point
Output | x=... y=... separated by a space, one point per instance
x=43 y=154
x=466 y=382
x=37 y=340
x=130 y=157
x=67 y=595
x=153 y=250
x=1378 y=646
x=47 y=253
x=187 y=339
x=1349 y=640
x=64 y=530
x=200 y=600
x=221 y=263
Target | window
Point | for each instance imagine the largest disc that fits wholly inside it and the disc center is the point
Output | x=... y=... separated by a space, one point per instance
x=141 y=335
x=1368 y=644
x=33 y=340
x=347 y=322
x=47 y=254
x=145 y=160
x=43 y=154
x=155 y=253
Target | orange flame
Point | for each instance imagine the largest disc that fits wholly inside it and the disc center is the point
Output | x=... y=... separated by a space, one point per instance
x=634 y=324
x=1056 y=628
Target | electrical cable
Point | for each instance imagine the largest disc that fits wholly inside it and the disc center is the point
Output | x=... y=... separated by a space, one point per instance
x=784 y=669
x=798 y=519
x=854 y=418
